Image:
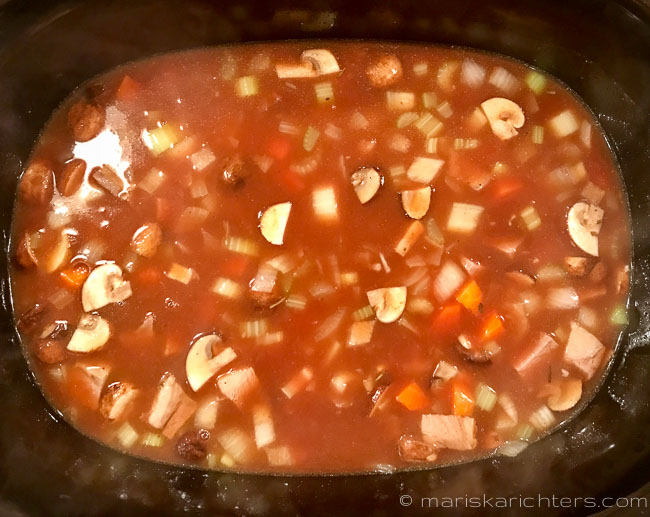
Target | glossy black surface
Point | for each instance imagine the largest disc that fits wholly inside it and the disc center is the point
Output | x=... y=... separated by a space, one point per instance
x=600 y=49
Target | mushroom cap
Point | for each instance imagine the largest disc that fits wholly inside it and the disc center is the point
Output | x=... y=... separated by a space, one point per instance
x=388 y=302
x=504 y=116
x=202 y=362
x=91 y=334
x=584 y=221
x=104 y=286
x=273 y=222
x=366 y=182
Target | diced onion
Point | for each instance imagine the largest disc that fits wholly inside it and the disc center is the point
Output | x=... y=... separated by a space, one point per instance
x=406 y=119
x=127 y=436
x=236 y=443
x=562 y=298
x=227 y=288
x=153 y=440
x=206 y=415
x=472 y=73
x=201 y=159
x=450 y=278
x=193 y=216
x=152 y=181
x=321 y=290
x=512 y=449
x=297 y=383
x=359 y=121
x=270 y=338
x=329 y=325
x=464 y=217
x=324 y=203
x=198 y=188
x=400 y=100
x=503 y=80
x=429 y=100
x=420 y=69
x=264 y=281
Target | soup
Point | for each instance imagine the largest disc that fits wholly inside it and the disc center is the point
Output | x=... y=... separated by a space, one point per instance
x=344 y=258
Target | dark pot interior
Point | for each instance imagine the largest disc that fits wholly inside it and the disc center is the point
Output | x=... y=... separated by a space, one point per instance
x=601 y=49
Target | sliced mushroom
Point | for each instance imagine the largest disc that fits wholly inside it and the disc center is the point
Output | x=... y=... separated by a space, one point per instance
x=416 y=202
x=314 y=62
x=25 y=256
x=72 y=177
x=385 y=71
x=584 y=222
x=322 y=60
x=274 y=222
x=91 y=334
x=106 y=177
x=104 y=286
x=59 y=253
x=146 y=239
x=366 y=182
x=504 y=116
x=36 y=185
x=388 y=302
x=564 y=394
x=117 y=399
x=205 y=358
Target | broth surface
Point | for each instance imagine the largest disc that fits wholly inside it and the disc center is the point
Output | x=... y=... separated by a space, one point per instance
x=274 y=257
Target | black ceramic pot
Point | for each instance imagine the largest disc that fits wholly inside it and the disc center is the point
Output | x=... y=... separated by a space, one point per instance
x=601 y=49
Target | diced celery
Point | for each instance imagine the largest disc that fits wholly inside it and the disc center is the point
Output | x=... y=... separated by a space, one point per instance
x=296 y=301
x=536 y=82
x=358 y=121
x=420 y=69
x=227 y=288
x=465 y=143
x=180 y=273
x=397 y=172
x=428 y=124
x=538 y=134
x=563 y=124
x=324 y=92
x=153 y=440
x=400 y=100
x=531 y=218
x=310 y=138
x=524 y=432
x=349 y=278
x=486 y=397
x=161 y=138
x=227 y=460
x=419 y=306
x=542 y=418
x=431 y=145
x=325 y=204
x=270 y=338
x=253 y=328
x=434 y=234
x=288 y=128
x=127 y=436
x=247 y=86
x=444 y=108
x=363 y=314
x=152 y=181
x=241 y=245
x=429 y=100
x=406 y=118
x=619 y=315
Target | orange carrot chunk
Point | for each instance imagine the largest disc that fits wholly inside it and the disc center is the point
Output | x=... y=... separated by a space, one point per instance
x=412 y=397
x=492 y=326
x=447 y=320
x=470 y=296
x=505 y=188
x=128 y=89
x=75 y=275
x=461 y=398
x=278 y=148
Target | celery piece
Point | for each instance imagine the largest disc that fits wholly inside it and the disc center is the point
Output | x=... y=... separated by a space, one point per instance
x=486 y=397
x=363 y=314
x=247 y=86
x=324 y=92
x=537 y=134
x=536 y=82
x=161 y=138
x=619 y=315
x=310 y=138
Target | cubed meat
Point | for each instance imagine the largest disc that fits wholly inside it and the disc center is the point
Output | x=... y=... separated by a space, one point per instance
x=167 y=399
x=538 y=350
x=185 y=410
x=584 y=351
x=238 y=385
x=449 y=431
x=37 y=183
x=117 y=400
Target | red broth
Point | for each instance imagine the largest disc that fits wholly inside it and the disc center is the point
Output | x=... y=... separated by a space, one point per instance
x=359 y=256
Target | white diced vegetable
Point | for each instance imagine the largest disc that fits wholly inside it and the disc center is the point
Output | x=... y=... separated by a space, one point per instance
x=360 y=333
x=206 y=415
x=296 y=301
x=201 y=159
x=472 y=74
x=247 y=86
x=400 y=100
x=270 y=338
x=542 y=418
x=428 y=124
x=445 y=109
x=298 y=382
x=585 y=134
x=152 y=181
x=358 y=121
x=424 y=169
x=263 y=425
x=504 y=80
x=563 y=124
x=531 y=218
x=227 y=288
x=126 y=435
x=241 y=245
x=449 y=279
x=324 y=92
x=325 y=204
x=420 y=69
x=180 y=273
x=464 y=217
x=562 y=298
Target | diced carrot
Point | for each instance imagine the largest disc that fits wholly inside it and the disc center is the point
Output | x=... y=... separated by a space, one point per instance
x=412 y=397
x=470 y=296
x=149 y=275
x=292 y=181
x=278 y=148
x=128 y=89
x=492 y=326
x=235 y=266
x=462 y=401
x=505 y=188
x=75 y=275
x=447 y=320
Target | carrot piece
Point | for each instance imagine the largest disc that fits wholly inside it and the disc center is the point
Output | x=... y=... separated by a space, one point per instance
x=447 y=320
x=75 y=275
x=292 y=181
x=470 y=296
x=235 y=266
x=128 y=89
x=506 y=187
x=492 y=326
x=149 y=275
x=462 y=401
x=278 y=148
x=412 y=397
